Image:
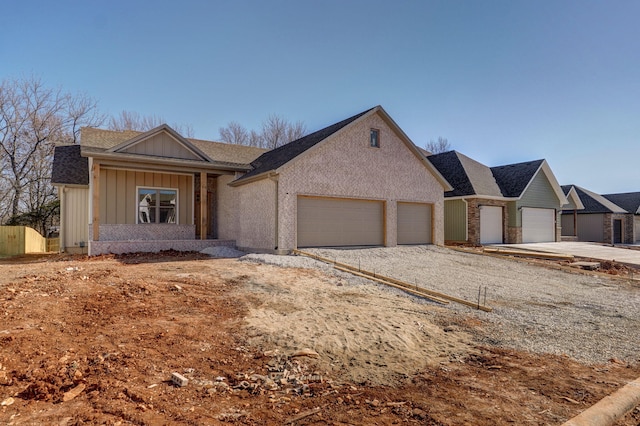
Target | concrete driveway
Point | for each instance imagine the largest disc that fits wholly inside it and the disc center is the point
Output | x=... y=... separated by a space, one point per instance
x=581 y=249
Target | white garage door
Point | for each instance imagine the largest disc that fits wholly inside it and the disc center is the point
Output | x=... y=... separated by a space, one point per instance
x=334 y=222
x=414 y=223
x=538 y=225
x=490 y=225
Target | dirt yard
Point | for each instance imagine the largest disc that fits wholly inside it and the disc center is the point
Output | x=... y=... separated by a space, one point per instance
x=96 y=341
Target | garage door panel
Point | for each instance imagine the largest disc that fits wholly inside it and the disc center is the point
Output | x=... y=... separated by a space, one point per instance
x=538 y=225
x=414 y=223
x=328 y=222
x=491 y=225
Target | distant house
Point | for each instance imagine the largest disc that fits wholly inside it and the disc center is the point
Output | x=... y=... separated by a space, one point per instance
x=358 y=182
x=511 y=204
x=610 y=219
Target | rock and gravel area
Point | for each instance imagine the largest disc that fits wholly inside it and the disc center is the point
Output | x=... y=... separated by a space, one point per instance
x=591 y=318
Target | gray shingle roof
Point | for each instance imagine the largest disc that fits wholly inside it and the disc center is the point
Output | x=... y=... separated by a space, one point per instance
x=594 y=203
x=69 y=167
x=630 y=201
x=450 y=167
x=514 y=178
x=469 y=177
x=275 y=158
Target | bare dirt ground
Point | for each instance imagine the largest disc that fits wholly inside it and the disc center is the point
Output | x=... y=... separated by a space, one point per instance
x=95 y=341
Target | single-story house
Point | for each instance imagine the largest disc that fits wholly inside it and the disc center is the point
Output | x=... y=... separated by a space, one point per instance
x=515 y=203
x=602 y=220
x=359 y=182
x=630 y=201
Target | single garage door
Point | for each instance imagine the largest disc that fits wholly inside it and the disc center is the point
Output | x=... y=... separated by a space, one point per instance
x=334 y=222
x=538 y=225
x=490 y=225
x=636 y=228
x=414 y=223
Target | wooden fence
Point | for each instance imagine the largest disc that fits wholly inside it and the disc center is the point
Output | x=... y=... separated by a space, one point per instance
x=15 y=240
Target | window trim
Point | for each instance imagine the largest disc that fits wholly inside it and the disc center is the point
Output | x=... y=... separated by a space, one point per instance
x=157 y=189
x=373 y=131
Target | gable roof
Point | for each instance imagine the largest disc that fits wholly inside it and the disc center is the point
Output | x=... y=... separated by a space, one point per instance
x=595 y=203
x=275 y=158
x=69 y=168
x=513 y=179
x=163 y=128
x=630 y=201
x=270 y=161
x=572 y=196
x=467 y=176
x=95 y=140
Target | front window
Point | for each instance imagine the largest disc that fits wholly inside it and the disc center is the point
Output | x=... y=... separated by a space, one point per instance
x=157 y=205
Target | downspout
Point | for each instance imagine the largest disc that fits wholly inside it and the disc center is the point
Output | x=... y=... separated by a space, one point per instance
x=274 y=178
x=61 y=246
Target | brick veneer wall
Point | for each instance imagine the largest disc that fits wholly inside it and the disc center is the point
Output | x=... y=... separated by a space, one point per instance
x=627 y=227
x=473 y=218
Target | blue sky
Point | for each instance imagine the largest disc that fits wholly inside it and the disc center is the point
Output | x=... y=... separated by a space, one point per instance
x=503 y=81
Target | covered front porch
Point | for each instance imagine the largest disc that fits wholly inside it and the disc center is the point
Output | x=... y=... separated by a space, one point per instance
x=168 y=213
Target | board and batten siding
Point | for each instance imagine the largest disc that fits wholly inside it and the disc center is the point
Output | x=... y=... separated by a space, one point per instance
x=75 y=217
x=162 y=145
x=455 y=220
x=118 y=194
x=539 y=194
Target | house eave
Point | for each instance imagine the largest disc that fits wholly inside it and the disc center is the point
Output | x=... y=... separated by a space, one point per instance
x=148 y=161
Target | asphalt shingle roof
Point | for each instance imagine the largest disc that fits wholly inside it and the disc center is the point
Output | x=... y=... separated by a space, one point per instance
x=450 y=167
x=630 y=201
x=69 y=167
x=275 y=158
x=514 y=178
x=594 y=203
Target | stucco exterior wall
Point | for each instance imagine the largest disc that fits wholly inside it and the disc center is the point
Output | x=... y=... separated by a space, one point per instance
x=257 y=215
x=346 y=166
x=227 y=208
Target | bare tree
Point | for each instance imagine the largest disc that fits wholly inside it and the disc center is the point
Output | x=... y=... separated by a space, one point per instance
x=33 y=118
x=442 y=145
x=276 y=131
x=130 y=120
x=234 y=133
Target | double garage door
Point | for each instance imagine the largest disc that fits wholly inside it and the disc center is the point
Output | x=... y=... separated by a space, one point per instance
x=336 y=222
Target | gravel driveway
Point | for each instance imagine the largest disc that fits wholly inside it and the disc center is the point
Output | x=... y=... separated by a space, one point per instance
x=589 y=318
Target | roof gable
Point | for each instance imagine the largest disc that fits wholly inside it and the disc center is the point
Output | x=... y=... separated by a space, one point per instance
x=513 y=179
x=272 y=160
x=275 y=158
x=573 y=198
x=630 y=201
x=161 y=141
x=596 y=203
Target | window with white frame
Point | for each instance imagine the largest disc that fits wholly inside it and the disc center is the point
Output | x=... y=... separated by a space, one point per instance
x=156 y=205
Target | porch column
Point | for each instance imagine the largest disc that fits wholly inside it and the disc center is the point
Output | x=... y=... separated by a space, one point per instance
x=203 y=206
x=95 y=199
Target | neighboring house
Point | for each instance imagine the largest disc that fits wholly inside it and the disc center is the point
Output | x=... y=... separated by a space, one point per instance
x=570 y=223
x=358 y=182
x=511 y=204
x=602 y=220
x=630 y=201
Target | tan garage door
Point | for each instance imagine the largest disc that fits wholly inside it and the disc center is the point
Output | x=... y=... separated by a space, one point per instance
x=334 y=222
x=414 y=223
